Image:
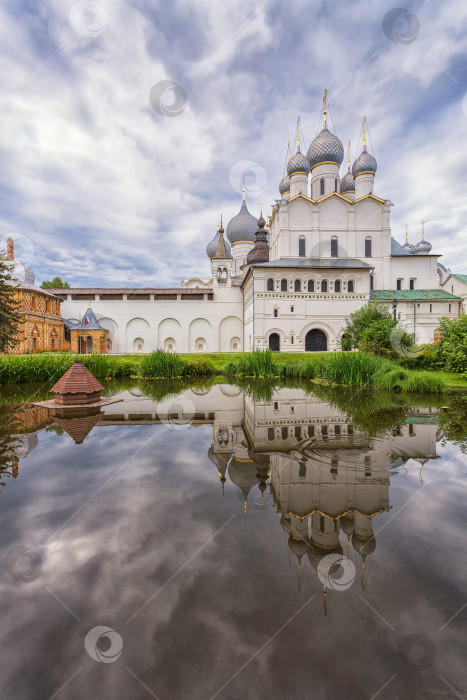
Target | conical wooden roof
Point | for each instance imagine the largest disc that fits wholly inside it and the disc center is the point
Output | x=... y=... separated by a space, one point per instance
x=77 y=380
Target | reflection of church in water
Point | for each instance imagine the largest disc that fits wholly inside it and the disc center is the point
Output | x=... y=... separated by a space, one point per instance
x=326 y=479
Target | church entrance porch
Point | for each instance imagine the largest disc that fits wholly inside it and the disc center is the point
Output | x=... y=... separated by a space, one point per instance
x=316 y=341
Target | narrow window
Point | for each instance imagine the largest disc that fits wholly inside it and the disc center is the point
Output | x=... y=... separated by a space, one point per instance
x=372 y=282
x=324 y=430
x=399 y=284
x=324 y=286
x=283 y=285
x=302 y=470
x=270 y=433
x=284 y=433
x=334 y=247
x=335 y=185
x=276 y=405
x=311 y=285
x=301 y=246
x=412 y=284
x=337 y=286
x=292 y=309
x=350 y=286
x=431 y=308
x=368 y=247
x=321 y=185
x=297 y=286
x=292 y=340
x=275 y=313
x=321 y=523
x=449 y=308
x=270 y=285
x=311 y=431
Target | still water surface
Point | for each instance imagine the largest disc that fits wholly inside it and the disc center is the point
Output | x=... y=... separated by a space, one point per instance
x=228 y=542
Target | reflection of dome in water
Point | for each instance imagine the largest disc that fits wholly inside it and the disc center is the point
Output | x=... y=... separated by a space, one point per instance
x=200 y=392
x=243 y=475
x=229 y=390
x=285 y=524
x=347 y=524
x=298 y=547
x=136 y=392
x=316 y=553
x=363 y=547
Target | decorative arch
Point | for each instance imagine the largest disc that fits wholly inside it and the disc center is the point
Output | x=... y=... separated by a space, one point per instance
x=316 y=340
x=137 y=328
x=199 y=328
x=170 y=332
x=230 y=327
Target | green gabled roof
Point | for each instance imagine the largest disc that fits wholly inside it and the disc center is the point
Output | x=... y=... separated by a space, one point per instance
x=412 y=295
x=461 y=278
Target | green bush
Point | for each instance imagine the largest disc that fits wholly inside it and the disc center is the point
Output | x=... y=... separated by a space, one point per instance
x=452 y=346
x=199 y=368
x=373 y=329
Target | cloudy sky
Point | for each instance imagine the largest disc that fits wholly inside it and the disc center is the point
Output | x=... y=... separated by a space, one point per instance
x=107 y=179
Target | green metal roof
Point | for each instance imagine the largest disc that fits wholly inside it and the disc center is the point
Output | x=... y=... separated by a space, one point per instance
x=461 y=278
x=412 y=295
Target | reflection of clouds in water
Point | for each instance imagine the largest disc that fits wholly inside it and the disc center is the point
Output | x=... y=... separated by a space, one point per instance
x=149 y=520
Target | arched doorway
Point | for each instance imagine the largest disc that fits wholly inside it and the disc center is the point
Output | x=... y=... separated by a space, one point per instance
x=274 y=342
x=316 y=341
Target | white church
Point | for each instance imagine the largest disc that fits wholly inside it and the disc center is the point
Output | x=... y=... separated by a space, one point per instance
x=327 y=250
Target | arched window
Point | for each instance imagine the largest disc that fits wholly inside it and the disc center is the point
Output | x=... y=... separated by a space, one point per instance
x=372 y=282
x=275 y=313
x=350 y=286
x=324 y=286
x=311 y=285
x=337 y=286
x=368 y=247
x=334 y=247
x=297 y=285
x=283 y=285
x=301 y=246
x=270 y=285
x=321 y=186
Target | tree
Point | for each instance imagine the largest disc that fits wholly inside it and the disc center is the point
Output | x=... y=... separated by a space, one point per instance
x=451 y=349
x=56 y=283
x=373 y=329
x=9 y=316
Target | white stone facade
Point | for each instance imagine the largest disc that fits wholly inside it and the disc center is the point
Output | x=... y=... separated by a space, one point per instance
x=329 y=254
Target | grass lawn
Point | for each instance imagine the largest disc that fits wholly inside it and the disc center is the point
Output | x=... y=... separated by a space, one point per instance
x=221 y=359
x=453 y=379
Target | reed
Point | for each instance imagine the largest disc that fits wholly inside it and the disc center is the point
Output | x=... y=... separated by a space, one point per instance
x=162 y=364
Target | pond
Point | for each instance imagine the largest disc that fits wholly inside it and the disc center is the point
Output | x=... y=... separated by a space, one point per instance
x=223 y=541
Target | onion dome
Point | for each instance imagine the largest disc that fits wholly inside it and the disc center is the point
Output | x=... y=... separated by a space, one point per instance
x=347 y=524
x=212 y=245
x=365 y=163
x=242 y=227
x=408 y=246
x=223 y=249
x=284 y=185
x=326 y=147
x=423 y=246
x=260 y=252
x=20 y=273
x=298 y=163
x=243 y=475
x=347 y=183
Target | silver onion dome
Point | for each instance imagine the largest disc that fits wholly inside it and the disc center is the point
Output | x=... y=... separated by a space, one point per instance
x=347 y=183
x=325 y=147
x=284 y=185
x=364 y=163
x=211 y=247
x=242 y=227
x=409 y=247
x=20 y=273
x=298 y=163
x=423 y=247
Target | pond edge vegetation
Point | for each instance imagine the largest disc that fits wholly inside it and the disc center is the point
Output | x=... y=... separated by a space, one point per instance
x=342 y=368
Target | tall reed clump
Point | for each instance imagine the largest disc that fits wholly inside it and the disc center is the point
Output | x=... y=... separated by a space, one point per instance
x=351 y=368
x=162 y=364
x=424 y=383
x=259 y=363
x=33 y=368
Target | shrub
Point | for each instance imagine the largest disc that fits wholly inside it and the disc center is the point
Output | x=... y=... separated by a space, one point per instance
x=371 y=329
x=162 y=364
x=197 y=368
x=452 y=346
